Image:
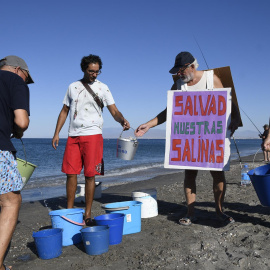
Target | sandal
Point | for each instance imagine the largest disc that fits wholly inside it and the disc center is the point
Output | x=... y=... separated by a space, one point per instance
x=186 y=221
x=90 y=222
x=225 y=219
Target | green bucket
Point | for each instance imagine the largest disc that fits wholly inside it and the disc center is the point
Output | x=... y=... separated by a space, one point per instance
x=26 y=169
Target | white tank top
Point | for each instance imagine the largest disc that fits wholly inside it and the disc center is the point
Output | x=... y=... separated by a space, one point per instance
x=206 y=82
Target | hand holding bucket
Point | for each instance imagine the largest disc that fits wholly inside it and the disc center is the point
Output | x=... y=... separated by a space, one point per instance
x=126 y=147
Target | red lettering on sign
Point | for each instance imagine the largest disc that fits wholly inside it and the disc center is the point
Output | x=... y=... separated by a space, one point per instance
x=192 y=147
x=189 y=106
x=179 y=104
x=205 y=150
x=212 y=153
x=195 y=105
x=208 y=151
x=220 y=158
x=199 y=151
x=203 y=111
x=175 y=147
x=221 y=103
x=186 y=153
x=212 y=107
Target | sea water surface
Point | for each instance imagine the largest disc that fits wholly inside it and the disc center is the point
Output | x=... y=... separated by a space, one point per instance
x=48 y=180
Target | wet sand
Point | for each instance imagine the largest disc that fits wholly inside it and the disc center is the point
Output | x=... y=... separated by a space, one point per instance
x=162 y=242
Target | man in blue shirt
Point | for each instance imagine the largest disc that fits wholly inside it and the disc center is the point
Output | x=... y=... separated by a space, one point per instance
x=14 y=120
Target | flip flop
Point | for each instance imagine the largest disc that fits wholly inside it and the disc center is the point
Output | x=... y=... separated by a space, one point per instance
x=186 y=221
x=7 y=268
x=225 y=219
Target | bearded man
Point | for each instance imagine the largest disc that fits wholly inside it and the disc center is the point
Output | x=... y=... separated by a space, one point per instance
x=192 y=79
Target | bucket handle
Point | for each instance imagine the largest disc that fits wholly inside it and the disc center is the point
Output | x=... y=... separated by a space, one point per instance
x=73 y=222
x=24 y=152
x=123 y=131
x=254 y=160
x=103 y=206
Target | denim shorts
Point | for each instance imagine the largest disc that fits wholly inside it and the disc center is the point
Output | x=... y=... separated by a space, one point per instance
x=10 y=178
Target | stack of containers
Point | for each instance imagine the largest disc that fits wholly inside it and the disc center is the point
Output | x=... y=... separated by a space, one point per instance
x=132 y=211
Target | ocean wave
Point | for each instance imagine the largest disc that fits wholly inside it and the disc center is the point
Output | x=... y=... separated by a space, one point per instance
x=133 y=169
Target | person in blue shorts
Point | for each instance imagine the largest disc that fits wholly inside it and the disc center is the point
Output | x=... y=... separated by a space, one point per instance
x=14 y=120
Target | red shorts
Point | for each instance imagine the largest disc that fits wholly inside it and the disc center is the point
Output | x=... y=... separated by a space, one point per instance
x=84 y=151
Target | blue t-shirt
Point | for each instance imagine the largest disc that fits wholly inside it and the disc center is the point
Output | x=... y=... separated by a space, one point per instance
x=14 y=94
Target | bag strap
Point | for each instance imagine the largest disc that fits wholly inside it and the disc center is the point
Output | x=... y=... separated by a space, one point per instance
x=93 y=94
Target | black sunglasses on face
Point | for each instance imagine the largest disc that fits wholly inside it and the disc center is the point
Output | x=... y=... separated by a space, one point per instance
x=182 y=69
x=26 y=76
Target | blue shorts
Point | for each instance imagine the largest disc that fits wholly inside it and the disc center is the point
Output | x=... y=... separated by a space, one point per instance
x=10 y=178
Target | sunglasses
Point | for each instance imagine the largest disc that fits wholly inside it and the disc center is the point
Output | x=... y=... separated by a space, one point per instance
x=26 y=75
x=182 y=69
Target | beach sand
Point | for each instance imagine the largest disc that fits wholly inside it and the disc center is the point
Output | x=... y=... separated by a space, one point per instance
x=162 y=242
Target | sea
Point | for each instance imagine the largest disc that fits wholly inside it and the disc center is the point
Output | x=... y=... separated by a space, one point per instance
x=48 y=181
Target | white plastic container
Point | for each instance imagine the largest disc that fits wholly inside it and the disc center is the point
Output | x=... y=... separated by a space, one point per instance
x=148 y=198
x=80 y=192
x=126 y=147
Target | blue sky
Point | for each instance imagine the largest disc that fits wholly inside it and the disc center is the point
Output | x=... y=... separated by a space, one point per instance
x=137 y=42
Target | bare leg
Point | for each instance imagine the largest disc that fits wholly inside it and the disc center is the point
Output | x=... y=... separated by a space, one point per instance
x=219 y=189
x=89 y=195
x=265 y=155
x=10 y=205
x=71 y=187
x=190 y=190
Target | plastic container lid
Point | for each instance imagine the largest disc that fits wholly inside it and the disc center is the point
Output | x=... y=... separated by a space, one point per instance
x=144 y=193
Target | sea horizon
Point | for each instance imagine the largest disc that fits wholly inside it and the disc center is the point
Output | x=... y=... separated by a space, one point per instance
x=155 y=133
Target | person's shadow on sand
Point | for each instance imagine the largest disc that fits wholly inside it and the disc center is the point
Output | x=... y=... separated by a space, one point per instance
x=239 y=211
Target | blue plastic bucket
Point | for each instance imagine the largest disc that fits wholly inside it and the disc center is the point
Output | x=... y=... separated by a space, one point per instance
x=71 y=221
x=116 y=223
x=132 y=211
x=95 y=239
x=48 y=243
x=260 y=179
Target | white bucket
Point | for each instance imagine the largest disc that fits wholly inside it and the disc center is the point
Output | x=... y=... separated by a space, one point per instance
x=126 y=148
x=80 y=192
x=148 y=197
